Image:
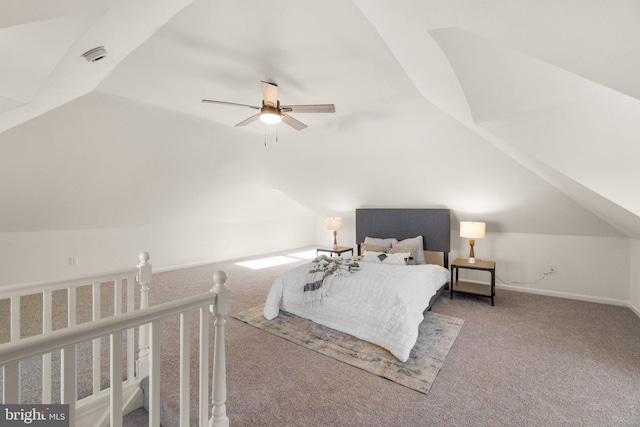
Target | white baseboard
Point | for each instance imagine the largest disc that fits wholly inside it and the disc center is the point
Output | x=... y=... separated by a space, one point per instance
x=181 y=266
x=566 y=295
x=635 y=309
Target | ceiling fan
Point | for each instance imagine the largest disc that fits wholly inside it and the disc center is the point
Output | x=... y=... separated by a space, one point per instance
x=272 y=112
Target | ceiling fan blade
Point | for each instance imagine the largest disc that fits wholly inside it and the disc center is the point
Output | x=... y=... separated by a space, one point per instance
x=318 y=108
x=270 y=94
x=249 y=120
x=230 y=103
x=297 y=125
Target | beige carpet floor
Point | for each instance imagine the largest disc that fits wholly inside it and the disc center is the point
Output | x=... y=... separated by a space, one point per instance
x=437 y=334
x=530 y=360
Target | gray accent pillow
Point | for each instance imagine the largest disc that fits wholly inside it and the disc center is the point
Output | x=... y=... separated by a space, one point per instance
x=371 y=248
x=383 y=243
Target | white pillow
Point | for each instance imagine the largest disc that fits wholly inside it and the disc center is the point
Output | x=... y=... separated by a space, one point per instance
x=383 y=243
x=399 y=258
x=416 y=243
x=412 y=259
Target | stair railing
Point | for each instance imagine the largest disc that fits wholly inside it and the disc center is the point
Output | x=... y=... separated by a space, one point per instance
x=147 y=319
x=122 y=281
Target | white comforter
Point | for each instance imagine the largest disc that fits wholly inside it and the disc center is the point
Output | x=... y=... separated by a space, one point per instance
x=382 y=304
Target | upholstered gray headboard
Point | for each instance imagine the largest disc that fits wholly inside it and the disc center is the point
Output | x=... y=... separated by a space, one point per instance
x=434 y=225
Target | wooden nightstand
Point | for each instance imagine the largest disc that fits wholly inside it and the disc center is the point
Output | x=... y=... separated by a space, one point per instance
x=473 y=288
x=338 y=251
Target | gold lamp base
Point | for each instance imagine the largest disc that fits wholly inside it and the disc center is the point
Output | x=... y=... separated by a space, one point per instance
x=472 y=256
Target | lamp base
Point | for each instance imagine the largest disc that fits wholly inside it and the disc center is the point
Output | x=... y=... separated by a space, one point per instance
x=472 y=256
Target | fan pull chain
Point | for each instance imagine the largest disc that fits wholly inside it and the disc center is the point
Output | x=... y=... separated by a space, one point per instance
x=265 y=134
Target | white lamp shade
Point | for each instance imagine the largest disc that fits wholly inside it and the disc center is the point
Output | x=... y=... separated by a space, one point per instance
x=472 y=229
x=334 y=223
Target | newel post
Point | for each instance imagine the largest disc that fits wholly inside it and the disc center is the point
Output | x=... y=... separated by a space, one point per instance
x=221 y=307
x=144 y=278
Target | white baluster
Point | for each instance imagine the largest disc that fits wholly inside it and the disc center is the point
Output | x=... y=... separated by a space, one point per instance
x=204 y=366
x=117 y=297
x=71 y=306
x=15 y=336
x=185 y=361
x=69 y=381
x=11 y=378
x=116 y=380
x=47 y=298
x=68 y=373
x=221 y=307
x=154 y=375
x=144 y=278
x=96 y=343
x=130 y=332
x=15 y=318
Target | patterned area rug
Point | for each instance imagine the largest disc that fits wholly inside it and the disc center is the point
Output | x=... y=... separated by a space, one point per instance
x=437 y=334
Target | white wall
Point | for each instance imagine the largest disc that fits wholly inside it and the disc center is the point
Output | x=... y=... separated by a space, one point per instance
x=588 y=268
x=39 y=256
x=598 y=269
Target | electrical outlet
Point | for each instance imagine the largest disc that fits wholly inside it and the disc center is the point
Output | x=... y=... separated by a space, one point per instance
x=73 y=260
x=552 y=268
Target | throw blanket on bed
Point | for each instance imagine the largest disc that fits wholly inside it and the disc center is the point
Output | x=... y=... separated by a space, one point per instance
x=319 y=284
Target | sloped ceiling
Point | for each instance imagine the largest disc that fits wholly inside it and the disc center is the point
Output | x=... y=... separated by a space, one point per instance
x=521 y=114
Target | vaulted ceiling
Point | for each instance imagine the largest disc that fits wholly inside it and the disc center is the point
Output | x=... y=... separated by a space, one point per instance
x=522 y=114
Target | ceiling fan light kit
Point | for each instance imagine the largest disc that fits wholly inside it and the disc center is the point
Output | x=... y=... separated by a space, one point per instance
x=272 y=113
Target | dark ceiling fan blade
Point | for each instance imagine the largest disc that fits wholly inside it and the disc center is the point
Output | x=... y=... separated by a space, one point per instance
x=297 y=125
x=249 y=120
x=270 y=94
x=318 y=108
x=211 y=101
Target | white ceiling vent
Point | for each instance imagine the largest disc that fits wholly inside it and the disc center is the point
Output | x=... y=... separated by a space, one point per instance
x=95 y=54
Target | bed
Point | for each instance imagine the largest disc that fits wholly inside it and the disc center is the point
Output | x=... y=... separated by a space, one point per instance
x=378 y=302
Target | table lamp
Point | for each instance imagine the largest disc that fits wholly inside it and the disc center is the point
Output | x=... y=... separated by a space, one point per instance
x=472 y=230
x=334 y=224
